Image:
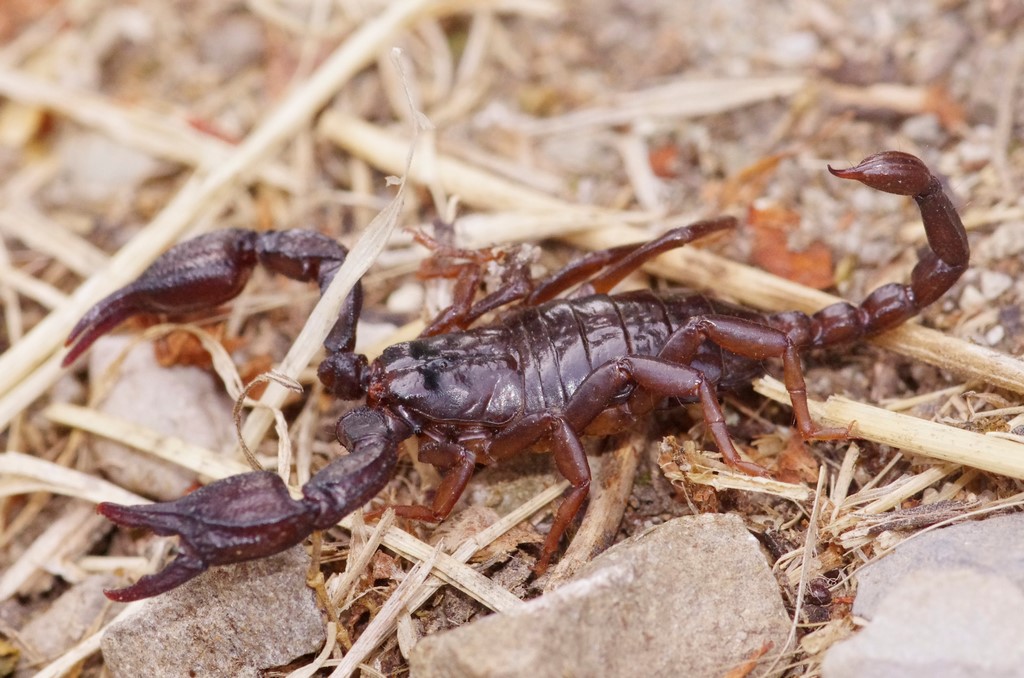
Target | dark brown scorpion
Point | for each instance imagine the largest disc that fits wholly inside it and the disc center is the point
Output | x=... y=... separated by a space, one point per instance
x=537 y=379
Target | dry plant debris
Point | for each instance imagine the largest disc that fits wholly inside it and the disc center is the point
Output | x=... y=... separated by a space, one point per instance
x=124 y=128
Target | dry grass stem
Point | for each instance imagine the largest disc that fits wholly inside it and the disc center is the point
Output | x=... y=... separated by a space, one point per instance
x=31 y=287
x=850 y=531
x=808 y=552
x=474 y=186
x=152 y=132
x=383 y=623
x=910 y=434
x=59 y=479
x=86 y=647
x=340 y=587
x=43 y=235
x=702 y=471
x=310 y=669
x=464 y=578
x=169 y=448
x=684 y=98
x=841 y=485
x=63 y=536
x=468 y=548
x=900 y=404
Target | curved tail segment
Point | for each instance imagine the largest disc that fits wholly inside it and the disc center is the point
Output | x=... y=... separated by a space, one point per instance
x=937 y=270
x=208 y=270
x=252 y=515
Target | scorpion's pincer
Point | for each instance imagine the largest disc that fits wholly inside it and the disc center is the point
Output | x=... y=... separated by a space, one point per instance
x=236 y=519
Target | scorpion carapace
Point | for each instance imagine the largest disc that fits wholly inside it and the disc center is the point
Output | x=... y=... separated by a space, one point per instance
x=537 y=378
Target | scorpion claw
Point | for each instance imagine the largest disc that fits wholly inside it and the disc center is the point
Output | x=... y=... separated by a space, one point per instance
x=101 y=318
x=186 y=566
x=196 y=274
x=253 y=515
x=239 y=518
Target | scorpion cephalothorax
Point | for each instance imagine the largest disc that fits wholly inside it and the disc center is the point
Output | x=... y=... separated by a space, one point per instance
x=538 y=378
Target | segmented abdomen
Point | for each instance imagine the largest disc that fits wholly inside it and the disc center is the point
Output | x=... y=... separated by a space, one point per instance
x=561 y=343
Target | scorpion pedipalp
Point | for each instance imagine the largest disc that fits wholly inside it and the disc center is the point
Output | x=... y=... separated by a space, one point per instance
x=213 y=268
x=235 y=519
x=253 y=515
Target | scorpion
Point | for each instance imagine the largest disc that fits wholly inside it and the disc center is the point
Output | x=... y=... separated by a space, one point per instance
x=537 y=378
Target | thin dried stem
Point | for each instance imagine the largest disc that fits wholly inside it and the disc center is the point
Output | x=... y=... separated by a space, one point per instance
x=910 y=434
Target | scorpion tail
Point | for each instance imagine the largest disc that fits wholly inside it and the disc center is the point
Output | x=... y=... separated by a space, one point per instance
x=253 y=515
x=936 y=271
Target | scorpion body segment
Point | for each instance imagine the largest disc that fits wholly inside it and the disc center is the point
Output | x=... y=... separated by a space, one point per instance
x=537 y=378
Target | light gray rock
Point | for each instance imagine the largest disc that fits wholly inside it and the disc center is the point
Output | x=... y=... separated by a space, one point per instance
x=955 y=623
x=991 y=546
x=232 y=621
x=180 y=401
x=691 y=597
x=98 y=169
x=76 y=614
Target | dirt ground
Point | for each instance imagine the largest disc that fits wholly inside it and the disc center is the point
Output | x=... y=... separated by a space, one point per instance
x=559 y=127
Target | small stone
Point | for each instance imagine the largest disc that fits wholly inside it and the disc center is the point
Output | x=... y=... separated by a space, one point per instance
x=994 y=283
x=232 y=621
x=184 y=402
x=75 y=615
x=977 y=151
x=953 y=623
x=992 y=545
x=971 y=299
x=691 y=597
x=99 y=169
x=1005 y=242
x=924 y=128
x=995 y=335
x=795 y=49
x=238 y=41
x=408 y=298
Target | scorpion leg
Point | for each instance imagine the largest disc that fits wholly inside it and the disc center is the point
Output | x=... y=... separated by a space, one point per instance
x=609 y=266
x=659 y=376
x=757 y=342
x=570 y=458
x=463 y=311
x=455 y=316
x=618 y=262
x=211 y=269
x=663 y=377
x=253 y=515
x=458 y=463
x=467 y=274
